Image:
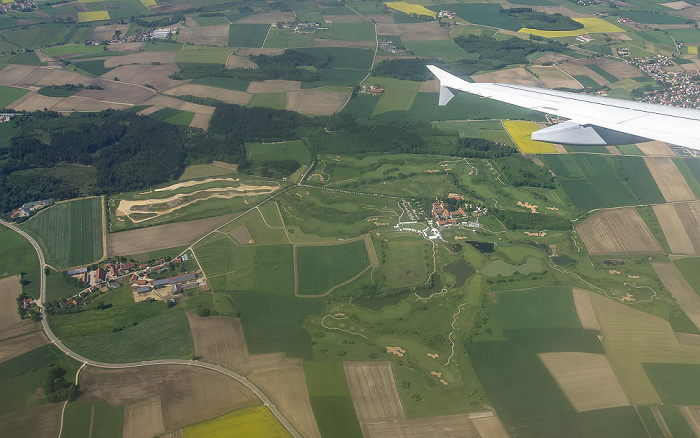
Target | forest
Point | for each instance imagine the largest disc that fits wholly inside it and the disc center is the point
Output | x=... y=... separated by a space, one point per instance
x=542 y=21
x=407 y=69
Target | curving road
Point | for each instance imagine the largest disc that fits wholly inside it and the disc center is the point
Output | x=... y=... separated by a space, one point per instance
x=195 y=363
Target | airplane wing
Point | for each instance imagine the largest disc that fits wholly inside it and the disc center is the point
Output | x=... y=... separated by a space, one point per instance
x=593 y=120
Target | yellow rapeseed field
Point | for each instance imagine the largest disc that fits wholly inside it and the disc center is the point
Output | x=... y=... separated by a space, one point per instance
x=693 y=50
x=93 y=16
x=590 y=25
x=410 y=8
x=253 y=421
x=148 y=3
x=520 y=133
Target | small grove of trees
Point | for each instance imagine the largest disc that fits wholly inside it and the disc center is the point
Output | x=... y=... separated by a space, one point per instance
x=408 y=69
x=56 y=388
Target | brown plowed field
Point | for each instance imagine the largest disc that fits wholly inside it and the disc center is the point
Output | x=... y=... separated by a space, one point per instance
x=587 y=379
x=433 y=427
x=154 y=75
x=619 y=69
x=518 y=76
x=584 y=309
x=143 y=418
x=105 y=33
x=322 y=42
x=678 y=231
x=315 y=102
x=656 y=149
x=553 y=57
x=669 y=179
x=187 y=394
x=287 y=389
x=273 y=86
x=34 y=102
x=490 y=427
x=388 y=29
x=175 y=103
x=238 y=61
x=139 y=58
x=37 y=422
x=11 y=324
x=219 y=340
x=269 y=18
x=228 y=96
x=120 y=92
x=42 y=76
x=618 y=231
x=552 y=77
x=13 y=73
x=205 y=35
x=75 y=103
x=344 y=18
x=245 y=51
x=14 y=347
x=373 y=391
x=561 y=10
x=578 y=67
x=162 y=236
x=680 y=289
x=125 y=47
x=200 y=121
x=431 y=86
x=423 y=32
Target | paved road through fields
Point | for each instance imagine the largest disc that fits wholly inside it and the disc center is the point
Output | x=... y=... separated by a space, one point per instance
x=196 y=363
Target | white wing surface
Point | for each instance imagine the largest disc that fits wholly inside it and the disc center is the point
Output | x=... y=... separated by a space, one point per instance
x=593 y=119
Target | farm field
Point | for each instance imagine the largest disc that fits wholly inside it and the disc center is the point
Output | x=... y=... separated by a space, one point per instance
x=590 y=26
x=320 y=268
x=520 y=133
x=679 y=223
x=294 y=151
x=618 y=231
x=251 y=421
x=19 y=257
x=10 y=94
x=680 y=289
x=93 y=419
x=669 y=179
x=247 y=35
x=69 y=232
x=398 y=95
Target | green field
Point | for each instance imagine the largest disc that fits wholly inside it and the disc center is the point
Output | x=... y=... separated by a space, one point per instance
x=676 y=423
x=292 y=151
x=18 y=257
x=26 y=58
x=203 y=54
x=538 y=308
x=70 y=233
x=268 y=100
x=651 y=18
x=490 y=130
x=176 y=117
x=338 y=77
x=604 y=73
x=75 y=49
x=677 y=384
x=247 y=35
x=690 y=268
x=93 y=419
x=94 y=68
x=353 y=31
x=321 y=267
x=445 y=50
x=488 y=14
x=361 y=106
x=398 y=95
x=640 y=180
x=330 y=399
x=37 y=36
x=404 y=261
x=344 y=57
x=10 y=94
x=162 y=337
x=586 y=81
x=227 y=83
x=688 y=36
x=210 y=21
x=690 y=169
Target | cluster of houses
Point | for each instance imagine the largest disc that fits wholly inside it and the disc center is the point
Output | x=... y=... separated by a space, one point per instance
x=299 y=26
x=585 y=38
x=444 y=217
x=389 y=46
x=373 y=90
x=29 y=208
x=5 y=117
x=169 y=285
x=17 y=5
x=680 y=87
x=104 y=273
x=623 y=52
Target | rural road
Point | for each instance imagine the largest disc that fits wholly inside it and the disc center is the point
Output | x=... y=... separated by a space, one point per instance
x=195 y=363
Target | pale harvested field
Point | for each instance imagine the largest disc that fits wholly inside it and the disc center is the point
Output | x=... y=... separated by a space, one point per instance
x=561 y=10
x=268 y=18
x=219 y=340
x=322 y=42
x=431 y=86
x=490 y=427
x=242 y=235
x=656 y=149
x=315 y=102
x=143 y=418
x=237 y=61
x=518 y=76
x=432 y=427
x=75 y=103
x=579 y=68
x=125 y=47
x=187 y=394
x=14 y=347
x=620 y=36
x=676 y=5
x=688 y=339
x=584 y=309
x=245 y=51
x=552 y=77
x=117 y=92
x=423 y=32
x=105 y=33
x=51 y=61
x=162 y=236
x=42 y=76
x=13 y=73
x=139 y=58
x=154 y=75
x=10 y=289
x=274 y=86
x=669 y=179
x=150 y=110
x=553 y=57
x=354 y=18
x=381 y=18
x=689 y=214
x=34 y=102
x=388 y=29
x=204 y=35
x=200 y=121
x=373 y=391
x=560 y=149
x=287 y=389
x=692 y=417
x=620 y=69
x=175 y=103
x=228 y=96
x=632 y=337
x=618 y=231
x=37 y=422
x=675 y=230
x=613 y=150
x=587 y=379
x=680 y=289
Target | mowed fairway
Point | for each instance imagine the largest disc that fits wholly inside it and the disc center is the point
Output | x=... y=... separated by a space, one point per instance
x=69 y=232
x=253 y=421
x=681 y=225
x=587 y=380
x=319 y=268
x=520 y=133
x=618 y=231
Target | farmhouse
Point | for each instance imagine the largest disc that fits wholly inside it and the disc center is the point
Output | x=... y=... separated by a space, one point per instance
x=77 y=271
x=100 y=274
x=161 y=33
x=29 y=208
x=175 y=280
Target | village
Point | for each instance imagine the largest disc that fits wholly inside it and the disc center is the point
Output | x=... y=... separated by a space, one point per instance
x=680 y=87
x=448 y=212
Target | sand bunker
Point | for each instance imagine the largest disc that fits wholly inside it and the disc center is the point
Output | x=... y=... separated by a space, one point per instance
x=628 y=297
x=436 y=374
x=152 y=208
x=633 y=276
x=396 y=350
x=613 y=272
x=433 y=355
x=443 y=382
x=540 y=234
x=552 y=208
x=533 y=208
x=189 y=184
x=460 y=238
x=434 y=170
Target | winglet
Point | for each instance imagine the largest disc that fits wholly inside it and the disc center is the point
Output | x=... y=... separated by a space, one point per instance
x=447 y=80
